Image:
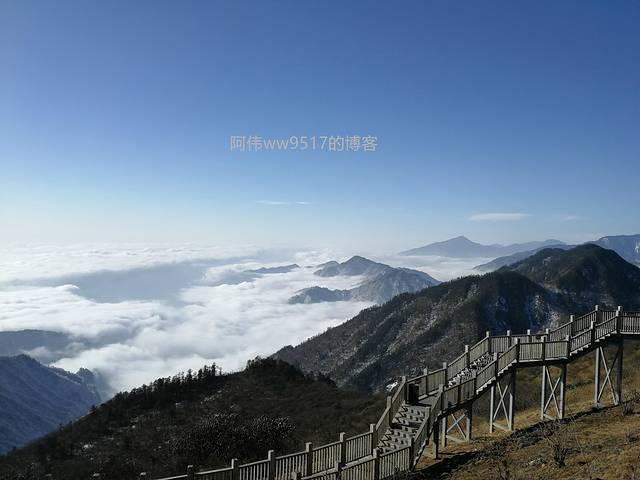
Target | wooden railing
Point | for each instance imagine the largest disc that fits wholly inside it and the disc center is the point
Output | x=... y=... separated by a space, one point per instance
x=479 y=349
x=458 y=365
x=357 y=457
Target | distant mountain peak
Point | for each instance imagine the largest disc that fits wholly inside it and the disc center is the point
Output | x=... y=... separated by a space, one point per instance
x=381 y=284
x=462 y=247
x=460 y=238
x=360 y=260
x=627 y=246
x=382 y=343
x=356 y=265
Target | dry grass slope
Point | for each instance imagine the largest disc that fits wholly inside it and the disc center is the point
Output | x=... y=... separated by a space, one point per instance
x=589 y=444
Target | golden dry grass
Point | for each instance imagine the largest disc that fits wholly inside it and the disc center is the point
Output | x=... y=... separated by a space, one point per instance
x=602 y=444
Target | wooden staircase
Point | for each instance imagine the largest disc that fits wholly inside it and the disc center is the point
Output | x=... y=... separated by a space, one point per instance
x=420 y=406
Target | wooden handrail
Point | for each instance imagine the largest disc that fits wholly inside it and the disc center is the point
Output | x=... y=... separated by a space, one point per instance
x=359 y=450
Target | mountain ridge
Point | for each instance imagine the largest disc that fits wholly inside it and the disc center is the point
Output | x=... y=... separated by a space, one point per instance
x=201 y=418
x=507 y=260
x=36 y=399
x=627 y=246
x=462 y=247
x=381 y=343
x=382 y=282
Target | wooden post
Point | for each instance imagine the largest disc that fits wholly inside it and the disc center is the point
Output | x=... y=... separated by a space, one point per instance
x=343 y=448
x=271 y=457
x=543 y=348
x=619 y=320
x=374 y=440
x=517 y=350
x=475 y=381
x=425 y=372
x=512 y=398
x=308 y=468
x=235 y=471
x=543 y=393
x=572 y=327
x=191 y=472
x=619 y=373
x=467 y=361
x=412 y=448
x=488 y=337
x=376 y=464
x=446 y=372
x=528 y=335
x=405 y=389
x=444 y=424
x=563 y=386
x=492 y=405
x=389 y=413
x=308 y=449
x=596 y=392
x=469 y=414
x=435 y=439
x=413 y=393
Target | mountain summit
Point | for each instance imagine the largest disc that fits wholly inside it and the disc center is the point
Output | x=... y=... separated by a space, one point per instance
x=417 y=330
x=382 y=282
x=587 y=273
x=462 y=247
x=356 y=265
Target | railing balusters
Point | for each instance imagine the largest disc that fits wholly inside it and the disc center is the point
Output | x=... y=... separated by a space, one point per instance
x=357 y=457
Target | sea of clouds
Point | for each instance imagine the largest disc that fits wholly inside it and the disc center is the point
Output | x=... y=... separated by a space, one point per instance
x=135 y=313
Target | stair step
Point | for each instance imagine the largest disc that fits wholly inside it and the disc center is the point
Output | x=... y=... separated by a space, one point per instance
x=397 y=433
x=414 y=407
x=406 y=428
x=403 y=422
x=410 y=417
x=414 y=412
x=399 y=441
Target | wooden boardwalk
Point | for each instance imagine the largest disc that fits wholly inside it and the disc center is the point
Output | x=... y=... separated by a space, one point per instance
x=435 y=408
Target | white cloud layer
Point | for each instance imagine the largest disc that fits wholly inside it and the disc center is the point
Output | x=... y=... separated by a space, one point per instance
x=135 y=313
x=498 y=217
x=28 y=261
x=227 y=316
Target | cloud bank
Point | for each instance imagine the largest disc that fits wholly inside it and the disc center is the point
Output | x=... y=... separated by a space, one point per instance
x=226 y=315
x=134 y=313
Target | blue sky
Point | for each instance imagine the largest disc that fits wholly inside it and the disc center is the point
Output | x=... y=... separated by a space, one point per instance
x=115 y=119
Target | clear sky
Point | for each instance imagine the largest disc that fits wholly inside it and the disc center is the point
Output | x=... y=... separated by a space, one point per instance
x=116 y=117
